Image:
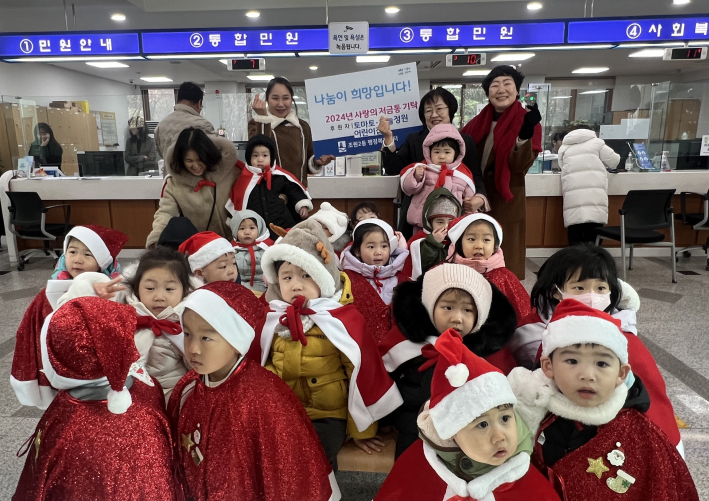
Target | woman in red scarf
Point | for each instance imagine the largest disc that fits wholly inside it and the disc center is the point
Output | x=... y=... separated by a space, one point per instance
x=508 y=140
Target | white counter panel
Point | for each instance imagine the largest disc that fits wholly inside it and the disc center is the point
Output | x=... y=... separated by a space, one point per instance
x=353 y=187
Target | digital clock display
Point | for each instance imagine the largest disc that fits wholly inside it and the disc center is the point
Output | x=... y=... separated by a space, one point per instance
x=688 y=53
x=467 y=60
x=247 y=64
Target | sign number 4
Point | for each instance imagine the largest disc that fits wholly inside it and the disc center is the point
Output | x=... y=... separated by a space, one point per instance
x=633 y=31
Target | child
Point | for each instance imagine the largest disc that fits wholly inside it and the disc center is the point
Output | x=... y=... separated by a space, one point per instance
x=375 y=255
x=475 y=242
x=365 y=210
x=591 y=439
x=105 y=435
x=251 y=238
x=86 y=248
x=588 y=274
x=334 y=224
x=243 y=434
x=473 y=444
x=449 y=296
x=211 y=257
x=315 y=340
x=280 y=199
x=443 y=151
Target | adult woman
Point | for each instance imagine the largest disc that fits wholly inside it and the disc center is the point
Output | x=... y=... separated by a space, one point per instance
x=437 y=107
x=141 y=153
x=200 y=177
x=508 y=140
x=294 y=140
x=45 y=149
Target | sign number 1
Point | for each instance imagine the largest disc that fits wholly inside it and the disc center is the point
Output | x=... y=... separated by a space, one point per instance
x=26 y=46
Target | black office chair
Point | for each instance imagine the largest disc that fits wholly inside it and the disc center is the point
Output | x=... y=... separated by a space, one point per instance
x=643 y=212
x=29 y=213
x=697 y=220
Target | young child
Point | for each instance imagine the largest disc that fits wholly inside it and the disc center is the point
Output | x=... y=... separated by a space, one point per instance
x=443 y=152
x=265 y=188
x=211 y=257
x=242 y=431
x=473 y=444
x=588 y=274
x=105 y=435
x=449 y=296
x=334 y=223
x=365 y=210
x=251 y=238
x=591 y=438
x=315 y=340
x=475 y=242
x=86 y=248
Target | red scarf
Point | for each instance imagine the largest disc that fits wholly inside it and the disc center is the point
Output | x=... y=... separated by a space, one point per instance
x=202 y=183
x=505 y=138
x=293 y=321
x=445 y=172
x=266 y=173
x=158 y=326
x=251 y=254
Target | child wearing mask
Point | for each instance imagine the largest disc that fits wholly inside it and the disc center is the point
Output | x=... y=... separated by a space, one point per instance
x=251 y=239
x=591 y=437
x=211 y=257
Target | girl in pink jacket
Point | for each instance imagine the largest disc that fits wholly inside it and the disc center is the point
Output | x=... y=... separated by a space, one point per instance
x=443 y=151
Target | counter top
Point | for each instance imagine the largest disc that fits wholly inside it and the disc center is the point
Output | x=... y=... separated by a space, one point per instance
x=353 y=187
x=108 y=188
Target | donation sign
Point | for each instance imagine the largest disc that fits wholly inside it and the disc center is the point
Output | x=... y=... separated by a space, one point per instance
x=345 y=109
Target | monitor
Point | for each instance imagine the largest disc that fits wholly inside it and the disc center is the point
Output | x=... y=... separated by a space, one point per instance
x=688 y=155
x=101 y=163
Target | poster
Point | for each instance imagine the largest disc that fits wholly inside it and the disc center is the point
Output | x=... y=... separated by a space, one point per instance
x=109 y=129
x=345 y=109
x=704 y=151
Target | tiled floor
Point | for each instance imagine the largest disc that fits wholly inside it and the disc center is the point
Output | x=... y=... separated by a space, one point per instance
x=673 y=321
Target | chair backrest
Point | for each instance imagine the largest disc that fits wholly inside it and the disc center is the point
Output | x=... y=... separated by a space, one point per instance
x=647 y=209
x=27 y=206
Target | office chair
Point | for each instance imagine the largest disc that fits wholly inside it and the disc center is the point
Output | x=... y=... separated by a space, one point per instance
x=697 y=220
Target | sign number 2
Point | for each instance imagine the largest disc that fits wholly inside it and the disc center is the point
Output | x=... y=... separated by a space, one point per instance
x=196 y=40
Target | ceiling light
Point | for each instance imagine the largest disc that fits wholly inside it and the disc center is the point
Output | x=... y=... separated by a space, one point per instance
x=373 y=59
x=253 y=14
x=313 y=68
x=590 y=70
x=534 y=5
x=476 y=73
x=156 y=79
x=562 y=97
x=118 y=17
x=648 y=53
x=681 y=2
x=603 y=91
x=392 y=10
x=458 y=86
x=260 y=78
x=271 y=54
x=107 y=64
x=514 y=56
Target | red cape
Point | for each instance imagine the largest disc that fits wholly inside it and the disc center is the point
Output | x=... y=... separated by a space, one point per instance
x=376 y=313
x=512 y=288
x=244 y=185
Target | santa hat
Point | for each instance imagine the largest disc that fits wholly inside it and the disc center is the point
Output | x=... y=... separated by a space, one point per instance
x=447 y=276
x=90 y=341
x=204 y=248
x=391 y=236
x=457 y=227
x=232 y=309
x=464 y=386
x=443 y=206
x=335 y=220
x=575 y=323
x=104 y=243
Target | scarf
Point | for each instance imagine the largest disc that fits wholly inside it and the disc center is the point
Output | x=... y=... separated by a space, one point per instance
x=292 y=319
x=250 y=247
x=61 y=273
x=505 y=139
x=265 y=174
x=497 y=260
x=158 y=326
x=445 y=172
x=202 y=183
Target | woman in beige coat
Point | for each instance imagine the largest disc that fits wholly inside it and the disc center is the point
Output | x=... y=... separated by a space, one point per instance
x=201 y=174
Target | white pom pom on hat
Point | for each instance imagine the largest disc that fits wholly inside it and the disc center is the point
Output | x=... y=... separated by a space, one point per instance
x=457 y=375
x=119 y=401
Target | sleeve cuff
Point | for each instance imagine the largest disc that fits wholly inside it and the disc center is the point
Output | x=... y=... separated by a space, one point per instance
x=313 y=167
x=262 y=119
x=520 y=142
x=486 y=205
x=304 y=203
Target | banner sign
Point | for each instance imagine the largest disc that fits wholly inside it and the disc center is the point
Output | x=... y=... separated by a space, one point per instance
x=345 y=109
x=74 y=44
x=639 y=30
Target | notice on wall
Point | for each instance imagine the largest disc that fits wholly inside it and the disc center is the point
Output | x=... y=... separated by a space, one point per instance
x=109 y=129
x=345 y=109
x=704 y=151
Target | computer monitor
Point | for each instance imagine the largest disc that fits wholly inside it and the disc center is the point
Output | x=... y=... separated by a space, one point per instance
x=101 y=163
x=688 y=155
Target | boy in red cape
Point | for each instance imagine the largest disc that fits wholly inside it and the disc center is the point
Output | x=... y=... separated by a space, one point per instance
x=592 y=439
x=105 y=436
x=473 y=445
x=241 y=433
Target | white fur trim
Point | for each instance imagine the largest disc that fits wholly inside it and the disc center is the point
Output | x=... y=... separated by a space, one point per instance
x=119 y=401
x=457 y=375
x=32 y=394
x=393 y=239
x=463 y=405
x=81 y=286
x=559 y=405
x=304 y=203
x=533 y=391
x=457 y=231
x=300 y=258
x=262 y=119
x=577 y=329
x=94 y=243
x=416 y=264
x=209 y=253
x=629 y=298
x=628 y=320
x=335 y=489
x=680 y=448
x=335 y=220
x=313 y=167
x=225 y=320
x=403 y=352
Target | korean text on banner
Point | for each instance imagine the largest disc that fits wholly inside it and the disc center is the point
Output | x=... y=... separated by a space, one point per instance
x=345 y=109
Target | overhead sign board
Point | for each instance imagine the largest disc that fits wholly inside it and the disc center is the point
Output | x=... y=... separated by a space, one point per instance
x=65 y=44
x=639 y=30
x=349 y=38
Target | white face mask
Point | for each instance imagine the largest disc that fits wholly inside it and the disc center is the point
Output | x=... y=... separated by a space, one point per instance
x=591 y=299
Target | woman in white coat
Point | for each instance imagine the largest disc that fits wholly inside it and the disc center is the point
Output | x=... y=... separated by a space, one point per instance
x=583 y=159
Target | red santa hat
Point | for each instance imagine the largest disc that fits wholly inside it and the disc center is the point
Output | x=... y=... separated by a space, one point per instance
x=89 y=341
x=393 y=239
x=464 y=386
x=204 y=248
x=232 y=309
x=575 y=323
x=104 y=243
x=457 y=227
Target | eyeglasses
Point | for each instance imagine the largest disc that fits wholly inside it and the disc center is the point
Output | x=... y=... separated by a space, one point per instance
x=438 y=111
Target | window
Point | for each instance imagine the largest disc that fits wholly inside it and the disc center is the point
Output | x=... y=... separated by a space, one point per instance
x=471 y=98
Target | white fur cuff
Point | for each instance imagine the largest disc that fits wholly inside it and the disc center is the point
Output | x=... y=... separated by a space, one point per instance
x=304 y=203
x=262 y=119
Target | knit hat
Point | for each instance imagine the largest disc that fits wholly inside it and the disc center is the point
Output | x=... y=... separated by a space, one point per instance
x=261 y=140
x=203 y=248
x=104 y=243
x=232 y=309
x=442 y=207
x=575 y=323
x=306 y=246
x=177 y=230
x=391 y=236
x=239 y=217
x=457 y=227
x=335 y=220
x=89 y=341
x=438 y=133
x=464 y=386
x=447 y=276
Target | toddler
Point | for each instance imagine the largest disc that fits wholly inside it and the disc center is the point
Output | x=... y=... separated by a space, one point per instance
x=251 y=239
x=365 y=210
x=211 y=257
x=334 y=223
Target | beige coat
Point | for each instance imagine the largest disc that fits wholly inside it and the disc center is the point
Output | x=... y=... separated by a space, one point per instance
x=179 y=197
x=170 y=127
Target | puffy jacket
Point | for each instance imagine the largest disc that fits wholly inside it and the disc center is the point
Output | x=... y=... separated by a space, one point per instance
x=170 y=127
x=136 y=165
x=243 y=264
x=583 y=159
x=180 y=199
x=383 y=279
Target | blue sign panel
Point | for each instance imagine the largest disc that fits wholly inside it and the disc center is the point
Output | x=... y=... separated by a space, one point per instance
x=469 y=35
x=94 y=44
x=639 y=30
x=206 y=41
